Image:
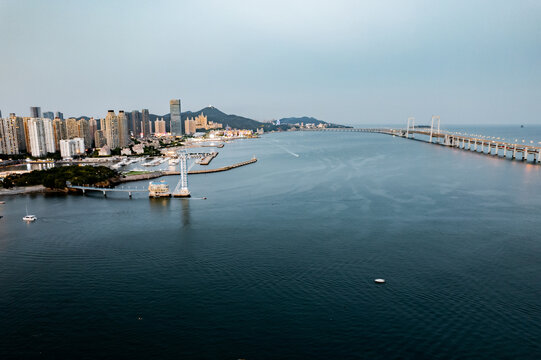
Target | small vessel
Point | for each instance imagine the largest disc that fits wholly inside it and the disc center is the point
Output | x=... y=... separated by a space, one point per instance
x=30 y=218
x=379 y=281
x=158 y=189
x=2 y=202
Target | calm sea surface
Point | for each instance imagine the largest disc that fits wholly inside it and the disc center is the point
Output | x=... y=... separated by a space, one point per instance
x=279 y=261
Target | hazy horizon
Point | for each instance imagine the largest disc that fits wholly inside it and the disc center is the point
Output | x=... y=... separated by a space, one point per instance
x=348 y=62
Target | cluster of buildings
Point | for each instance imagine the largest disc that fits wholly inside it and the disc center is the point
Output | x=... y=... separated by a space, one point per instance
x=233 y=133
x=200 y=122
x=40 y=134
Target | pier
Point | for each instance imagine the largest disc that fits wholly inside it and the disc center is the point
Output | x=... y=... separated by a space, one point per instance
x=208 y=171
x=207 y=159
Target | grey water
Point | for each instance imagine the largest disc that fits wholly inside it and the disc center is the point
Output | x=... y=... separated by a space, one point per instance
x=279 y=261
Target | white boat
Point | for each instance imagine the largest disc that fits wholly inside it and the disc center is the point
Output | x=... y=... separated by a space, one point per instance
x=154 y=162
x=30 y=218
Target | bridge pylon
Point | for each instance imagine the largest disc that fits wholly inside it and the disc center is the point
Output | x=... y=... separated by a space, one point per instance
x=411 y=121
x=434 y=117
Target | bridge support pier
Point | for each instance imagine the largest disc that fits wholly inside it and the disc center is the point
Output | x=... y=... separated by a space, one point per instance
x=83 y=192
x=525 y=154
x=504 y=151
x=129 y=194
x=469 y=144
x=514 y=153
x=104 y=193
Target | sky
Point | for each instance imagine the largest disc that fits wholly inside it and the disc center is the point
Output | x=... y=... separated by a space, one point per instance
x=342 y=61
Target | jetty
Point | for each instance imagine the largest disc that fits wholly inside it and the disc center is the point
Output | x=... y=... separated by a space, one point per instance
x=208 y=171
x=207 y=159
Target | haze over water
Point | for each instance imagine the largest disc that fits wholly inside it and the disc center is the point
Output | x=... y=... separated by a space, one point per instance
x=279 y=261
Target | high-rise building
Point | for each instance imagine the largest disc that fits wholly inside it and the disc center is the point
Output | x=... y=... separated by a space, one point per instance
x=41 y=136
x=26 y=129
x=93 y=126
x=35 y=112
x=48 y=115
x=49 y=135
x=136 y=123
x=123 y=133
x=72 y=128
x=72 y=147
x=99 y=138
x=112 y=130
x=103 y=125
x=79 y=129
x=59 y=115
x=130 y=123
x=59 y=128
x=145 y=123
x=9 y=143
x=159 y=127
x=176 y=123
x=19 y=125
x=84 y=132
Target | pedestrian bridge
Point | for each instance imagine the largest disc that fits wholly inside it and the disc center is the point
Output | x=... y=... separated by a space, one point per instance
x=84 y=189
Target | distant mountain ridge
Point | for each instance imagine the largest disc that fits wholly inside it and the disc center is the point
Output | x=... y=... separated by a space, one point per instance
x=234 y=121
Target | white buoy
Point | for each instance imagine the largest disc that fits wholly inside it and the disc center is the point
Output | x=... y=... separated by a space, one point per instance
x=379 y=281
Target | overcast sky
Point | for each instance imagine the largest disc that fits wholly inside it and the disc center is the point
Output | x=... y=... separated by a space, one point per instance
x=350 y=62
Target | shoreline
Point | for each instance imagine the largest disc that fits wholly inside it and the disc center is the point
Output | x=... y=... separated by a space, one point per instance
x=34 y=189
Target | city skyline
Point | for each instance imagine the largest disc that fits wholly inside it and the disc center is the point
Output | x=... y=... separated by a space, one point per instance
x=347 y=62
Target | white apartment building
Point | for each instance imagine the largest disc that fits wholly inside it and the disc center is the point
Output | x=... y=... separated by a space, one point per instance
x=41 y=134
x=72 y=147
